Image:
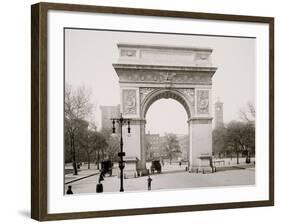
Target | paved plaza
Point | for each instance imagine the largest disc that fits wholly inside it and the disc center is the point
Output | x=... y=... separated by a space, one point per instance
x=172 y=177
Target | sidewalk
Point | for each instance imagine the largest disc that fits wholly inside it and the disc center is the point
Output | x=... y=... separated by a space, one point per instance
x=167 y=168
x=83 y=172
x=165 y=181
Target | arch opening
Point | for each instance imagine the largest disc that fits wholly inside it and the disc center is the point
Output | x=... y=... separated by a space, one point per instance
x=166 y=116
x=165 y=94
x=166 y=119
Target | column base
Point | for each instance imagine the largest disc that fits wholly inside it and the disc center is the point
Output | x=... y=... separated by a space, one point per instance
x=143 y=172
x=200 y=169
x=130 y=170
x=204 y=164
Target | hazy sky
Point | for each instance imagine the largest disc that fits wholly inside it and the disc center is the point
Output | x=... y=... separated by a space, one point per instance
x=89 y=55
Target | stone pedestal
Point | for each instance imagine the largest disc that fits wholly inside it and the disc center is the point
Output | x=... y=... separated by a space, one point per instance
x=134 y=146
x=205 y=164
x=130 y=170
x=200 y=145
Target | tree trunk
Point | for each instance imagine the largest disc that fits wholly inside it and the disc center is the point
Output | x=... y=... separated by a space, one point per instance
x=88 y=152
x=248 y=157
x=98 y=160
x=237 y=157
x=89 y=162
x=74 y=163
x=102 y=153
x=237 y=152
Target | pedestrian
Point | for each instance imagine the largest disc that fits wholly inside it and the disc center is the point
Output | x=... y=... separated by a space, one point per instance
x=101 y=177
x=69 y=190
x=180 y=163
x=149 y=179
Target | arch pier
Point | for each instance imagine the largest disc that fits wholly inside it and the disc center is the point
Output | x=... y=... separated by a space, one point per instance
x=151 y=72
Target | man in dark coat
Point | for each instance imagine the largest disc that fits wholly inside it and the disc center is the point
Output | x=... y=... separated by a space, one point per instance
x=149 y=180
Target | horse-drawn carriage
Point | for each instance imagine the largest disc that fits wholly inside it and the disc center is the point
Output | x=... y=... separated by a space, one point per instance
x=106 y=167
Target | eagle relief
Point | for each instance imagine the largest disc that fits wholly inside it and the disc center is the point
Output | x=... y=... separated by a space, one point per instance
x=202 y=101
x=129 y=101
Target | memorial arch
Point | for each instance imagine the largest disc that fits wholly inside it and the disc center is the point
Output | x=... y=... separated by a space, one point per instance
x=148 y=73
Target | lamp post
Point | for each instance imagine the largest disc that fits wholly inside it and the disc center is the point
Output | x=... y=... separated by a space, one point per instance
x=121 y=121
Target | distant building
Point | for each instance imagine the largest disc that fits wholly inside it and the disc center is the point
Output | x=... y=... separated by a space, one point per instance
x=154 y=143
x=218 y=114
x=153 y=146
x=108 y=112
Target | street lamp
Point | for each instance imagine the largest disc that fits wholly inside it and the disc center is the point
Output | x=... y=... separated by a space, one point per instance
x=121 y=121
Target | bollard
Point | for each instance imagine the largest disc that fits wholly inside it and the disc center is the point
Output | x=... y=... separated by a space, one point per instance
x=69 y=190
x=99 y=188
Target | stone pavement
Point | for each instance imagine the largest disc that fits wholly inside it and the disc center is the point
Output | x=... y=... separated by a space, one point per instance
x=83 y=172
x=169 y=180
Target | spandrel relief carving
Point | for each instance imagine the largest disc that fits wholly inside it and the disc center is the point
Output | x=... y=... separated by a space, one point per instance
x=129 y=101
x=202 y=101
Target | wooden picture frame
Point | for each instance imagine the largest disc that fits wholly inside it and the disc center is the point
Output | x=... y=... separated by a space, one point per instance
x=39 y=109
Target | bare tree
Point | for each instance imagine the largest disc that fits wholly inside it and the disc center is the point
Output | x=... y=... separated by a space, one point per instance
x=170 y=145
x=240 y=137
x=219 y=140
x=113 y=145
x=77 y=108
x=92 y=142
x=248 y=114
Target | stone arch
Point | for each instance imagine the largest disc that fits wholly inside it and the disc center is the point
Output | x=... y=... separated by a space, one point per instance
x=165 y=94
x=150 y=72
